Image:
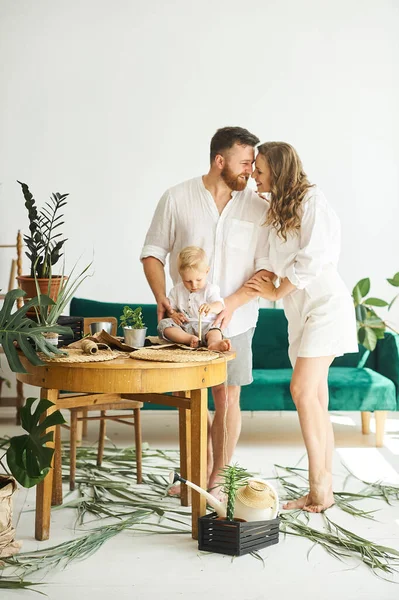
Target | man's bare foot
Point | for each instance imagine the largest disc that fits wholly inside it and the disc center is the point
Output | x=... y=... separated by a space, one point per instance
x=174 y=490
x=320 y=498
x=194 y=341
x=220 y=346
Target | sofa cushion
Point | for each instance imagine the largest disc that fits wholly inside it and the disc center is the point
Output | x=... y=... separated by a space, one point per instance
x=270 y=344
x=350 y=389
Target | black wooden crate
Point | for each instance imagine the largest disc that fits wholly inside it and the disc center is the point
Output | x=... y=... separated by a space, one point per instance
x=235 y=537
x=76 y=324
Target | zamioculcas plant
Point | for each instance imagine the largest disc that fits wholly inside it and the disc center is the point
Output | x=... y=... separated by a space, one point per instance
x=233 y=477
x=16 y=327
x=371 y=327
x=44 y=245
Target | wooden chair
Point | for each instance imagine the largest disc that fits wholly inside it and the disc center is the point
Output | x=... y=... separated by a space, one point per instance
x=125 y=405
x=80 y=416
x=16 y=269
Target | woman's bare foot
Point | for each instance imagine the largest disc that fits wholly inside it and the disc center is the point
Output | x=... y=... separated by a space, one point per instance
x=220 y=346
x=194 y=341
x=320 y=497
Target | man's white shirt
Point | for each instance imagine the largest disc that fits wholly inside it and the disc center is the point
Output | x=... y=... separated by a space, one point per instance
x=235 y=241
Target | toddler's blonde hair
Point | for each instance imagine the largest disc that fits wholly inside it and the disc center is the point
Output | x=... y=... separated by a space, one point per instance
x=192 y=257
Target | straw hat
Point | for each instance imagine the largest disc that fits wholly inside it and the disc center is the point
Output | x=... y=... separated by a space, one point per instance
x=257 y=494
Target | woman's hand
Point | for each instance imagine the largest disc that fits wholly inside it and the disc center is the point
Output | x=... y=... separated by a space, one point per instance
x=263 y=287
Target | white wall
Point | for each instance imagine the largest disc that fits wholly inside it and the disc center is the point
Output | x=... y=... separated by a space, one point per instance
x=114 y=101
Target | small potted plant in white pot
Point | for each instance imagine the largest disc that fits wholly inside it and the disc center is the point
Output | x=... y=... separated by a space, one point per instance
x=134 y=329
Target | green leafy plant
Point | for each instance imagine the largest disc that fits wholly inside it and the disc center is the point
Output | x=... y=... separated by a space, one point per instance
x=28 y=456
x=44 y=245
x=370 y=326
x=16 y=327
x=132 y=318
x=233 y=477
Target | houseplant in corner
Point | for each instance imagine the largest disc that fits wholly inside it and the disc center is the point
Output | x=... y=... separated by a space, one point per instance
x=370 y=326
x=134 y=329
x=43 y=243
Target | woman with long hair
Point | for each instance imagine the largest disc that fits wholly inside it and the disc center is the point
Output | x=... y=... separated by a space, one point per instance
x=303 y=250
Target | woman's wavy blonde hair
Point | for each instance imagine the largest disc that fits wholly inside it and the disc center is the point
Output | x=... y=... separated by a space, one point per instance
x=289 y=185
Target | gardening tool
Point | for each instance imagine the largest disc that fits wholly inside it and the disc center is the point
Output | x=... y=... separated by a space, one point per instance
x=255 y=501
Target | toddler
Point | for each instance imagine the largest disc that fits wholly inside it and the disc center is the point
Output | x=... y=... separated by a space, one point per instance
x=194 y=295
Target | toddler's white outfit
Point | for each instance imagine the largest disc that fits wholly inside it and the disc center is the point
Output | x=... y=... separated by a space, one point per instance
x=188 y=303
x=320 y=312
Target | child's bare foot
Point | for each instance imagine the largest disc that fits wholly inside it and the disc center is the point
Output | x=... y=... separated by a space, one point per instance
x=194 y=341
x=220 y=346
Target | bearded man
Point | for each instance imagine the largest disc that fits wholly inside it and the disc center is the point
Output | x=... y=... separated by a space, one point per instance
x=220 y=214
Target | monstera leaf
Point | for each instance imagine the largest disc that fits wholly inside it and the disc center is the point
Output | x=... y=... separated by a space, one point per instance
x=28 y=457
x=16 y=327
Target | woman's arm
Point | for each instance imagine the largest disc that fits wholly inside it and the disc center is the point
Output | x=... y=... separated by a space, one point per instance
x=267 y=290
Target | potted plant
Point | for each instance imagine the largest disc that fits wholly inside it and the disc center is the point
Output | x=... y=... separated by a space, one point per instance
x=47 y=314
x=134 y=329
x=43 y=243
x=370 y=327
x=28 y=462
x=236 y=536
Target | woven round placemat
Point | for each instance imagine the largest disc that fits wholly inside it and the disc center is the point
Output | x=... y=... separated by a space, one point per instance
x=76 y=355
x=180 y=356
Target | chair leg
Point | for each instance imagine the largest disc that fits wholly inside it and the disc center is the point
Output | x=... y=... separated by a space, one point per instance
x=20 y=401
x=138 y=444
x=380 y=418
x=85 y=423
x=101 y=441
x=72 y=451
x=366 y=421
x=56 y=497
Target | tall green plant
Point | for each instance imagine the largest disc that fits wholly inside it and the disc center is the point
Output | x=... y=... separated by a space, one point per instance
x=370 y=326
x=16 y=327
x=43 y=244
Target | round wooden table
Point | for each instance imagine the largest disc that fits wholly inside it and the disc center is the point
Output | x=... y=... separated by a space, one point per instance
x=146 y=381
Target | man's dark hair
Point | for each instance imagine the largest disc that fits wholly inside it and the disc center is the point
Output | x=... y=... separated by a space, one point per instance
x=226 y=137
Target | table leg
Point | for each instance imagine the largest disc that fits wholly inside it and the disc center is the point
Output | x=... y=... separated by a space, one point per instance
x=44 y=489
x=199 y=434
x=56 y=499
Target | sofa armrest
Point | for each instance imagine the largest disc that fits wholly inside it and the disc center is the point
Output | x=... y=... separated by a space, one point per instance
x=387 y=362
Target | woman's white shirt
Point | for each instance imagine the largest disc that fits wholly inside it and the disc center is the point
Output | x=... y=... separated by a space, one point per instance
x=307 y=252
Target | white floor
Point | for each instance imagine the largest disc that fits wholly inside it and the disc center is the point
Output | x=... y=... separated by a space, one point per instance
x=170 y=566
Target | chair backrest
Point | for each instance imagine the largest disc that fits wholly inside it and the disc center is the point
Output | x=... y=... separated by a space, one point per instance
x=16 y=265
x=88 y=320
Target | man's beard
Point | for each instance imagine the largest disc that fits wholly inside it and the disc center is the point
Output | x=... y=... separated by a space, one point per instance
x=235 y=182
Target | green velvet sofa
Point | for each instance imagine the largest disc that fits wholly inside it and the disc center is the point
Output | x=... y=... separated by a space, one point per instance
x=363 y=381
